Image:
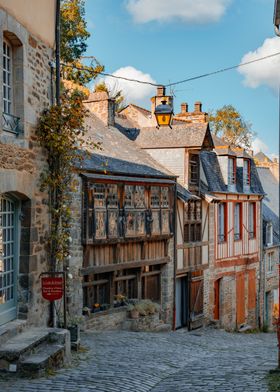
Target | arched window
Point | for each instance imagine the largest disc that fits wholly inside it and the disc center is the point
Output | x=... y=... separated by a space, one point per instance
x=12 y=84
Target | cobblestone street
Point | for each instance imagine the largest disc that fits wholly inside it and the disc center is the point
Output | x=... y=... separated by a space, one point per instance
x=202 y=360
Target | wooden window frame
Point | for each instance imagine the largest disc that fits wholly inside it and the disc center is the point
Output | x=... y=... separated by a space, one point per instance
x=194 y=164
x=193 y=221
x=247 y=175
x=238 y=235
x=222 y=237
x=231 y=175
x=252 y=233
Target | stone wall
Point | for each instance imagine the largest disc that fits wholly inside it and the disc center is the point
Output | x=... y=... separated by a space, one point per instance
x=22 y=161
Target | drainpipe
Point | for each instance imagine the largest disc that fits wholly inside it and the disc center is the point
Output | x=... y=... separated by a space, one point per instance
x=175 y=254
x=57 y=52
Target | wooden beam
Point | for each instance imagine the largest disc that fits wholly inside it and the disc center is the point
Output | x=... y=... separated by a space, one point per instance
x=114 y=267
x=95 y=282
x=125 y=277
x=192 y=245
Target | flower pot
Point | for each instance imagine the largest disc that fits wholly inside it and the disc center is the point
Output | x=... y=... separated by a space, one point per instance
x=74 y=333
x=134 y=314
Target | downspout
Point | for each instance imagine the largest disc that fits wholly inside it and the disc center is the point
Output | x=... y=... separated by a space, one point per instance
x=57 y=91
x=57 y=52
x=175 y=254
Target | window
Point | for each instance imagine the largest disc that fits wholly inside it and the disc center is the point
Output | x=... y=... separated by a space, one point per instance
x=193 y=169
x=252 y=220
x=269 y=234
x=7 y=77
x=124 y=210
x=270 y=261
x=192 y=226
x=246 y=172
x=231 y=171
x=237 y=221
x=222 y=222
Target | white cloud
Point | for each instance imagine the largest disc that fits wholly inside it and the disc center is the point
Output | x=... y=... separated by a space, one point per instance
x=133 y=92
x=265 y=72
x=187 y=11
x=258 y=145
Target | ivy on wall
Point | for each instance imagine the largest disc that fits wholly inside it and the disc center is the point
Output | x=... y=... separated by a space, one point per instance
x=61 y=132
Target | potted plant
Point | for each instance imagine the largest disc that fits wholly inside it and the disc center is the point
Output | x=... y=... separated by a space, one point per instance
x=96 y=308
x=86 y=311
x=73 y=325
x=133 y=311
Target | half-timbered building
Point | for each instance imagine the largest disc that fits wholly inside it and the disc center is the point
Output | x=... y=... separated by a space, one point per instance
x=125 y=204
x=178 y=149
x=231 y=183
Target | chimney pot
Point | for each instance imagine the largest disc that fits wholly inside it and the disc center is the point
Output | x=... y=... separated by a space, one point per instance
x=198 y=107
x=184 y=107
x=160 y=91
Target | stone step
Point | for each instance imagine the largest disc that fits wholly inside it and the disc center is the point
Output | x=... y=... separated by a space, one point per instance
x=11 y=329
x=22 y=343
x=46 y=356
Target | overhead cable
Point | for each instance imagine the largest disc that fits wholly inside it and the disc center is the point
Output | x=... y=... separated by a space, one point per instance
x=174 y=83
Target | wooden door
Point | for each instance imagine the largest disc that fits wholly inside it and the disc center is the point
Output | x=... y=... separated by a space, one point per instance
x=217 y=286
x=240 y=298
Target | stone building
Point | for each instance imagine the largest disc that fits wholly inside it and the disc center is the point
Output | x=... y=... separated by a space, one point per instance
x=178 y=149
x=270 y=245
x=124 y=205
x=229 y=175
x=26 y=48
x=218 y=255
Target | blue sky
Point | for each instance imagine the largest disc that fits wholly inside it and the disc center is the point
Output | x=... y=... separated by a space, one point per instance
x=170 y=40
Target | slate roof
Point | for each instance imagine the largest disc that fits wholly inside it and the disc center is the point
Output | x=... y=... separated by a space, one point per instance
x=181 y=134
x=271 y=188
x=215 y=181
x=184 y=194
x=118 y=154
x=270 y=216
x=261 y=157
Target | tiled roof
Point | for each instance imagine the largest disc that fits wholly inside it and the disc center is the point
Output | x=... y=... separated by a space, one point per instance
x=181 y=135
x=215 y=181
x=118 y=154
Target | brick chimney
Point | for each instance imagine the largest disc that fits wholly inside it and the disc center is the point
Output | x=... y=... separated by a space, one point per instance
x=197 y=107
x=102 y=107
x=197 y=116
x=184 y=107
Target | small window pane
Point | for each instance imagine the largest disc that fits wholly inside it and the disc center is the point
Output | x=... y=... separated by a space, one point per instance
x=155 y=197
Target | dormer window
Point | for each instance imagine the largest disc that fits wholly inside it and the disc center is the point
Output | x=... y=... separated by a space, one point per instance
x=231 y=171
x=193 y=169
x=246 y=172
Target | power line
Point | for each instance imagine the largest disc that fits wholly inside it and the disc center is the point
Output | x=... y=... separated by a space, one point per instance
x=174 y=83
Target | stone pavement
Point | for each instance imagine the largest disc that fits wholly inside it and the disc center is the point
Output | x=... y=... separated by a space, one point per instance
x=201 y=360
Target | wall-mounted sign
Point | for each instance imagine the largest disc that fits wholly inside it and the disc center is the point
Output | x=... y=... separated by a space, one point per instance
x=52 y=288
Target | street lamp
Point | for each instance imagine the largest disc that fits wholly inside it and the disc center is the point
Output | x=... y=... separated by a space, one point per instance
x=163 y=114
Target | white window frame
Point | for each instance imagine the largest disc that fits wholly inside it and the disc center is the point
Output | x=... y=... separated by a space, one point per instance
x=269 y=234
x=8 y=75
x=270 y=261
x=251 y=220
x=246 y=172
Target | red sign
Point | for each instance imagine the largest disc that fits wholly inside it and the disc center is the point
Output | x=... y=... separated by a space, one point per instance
x=52 y=288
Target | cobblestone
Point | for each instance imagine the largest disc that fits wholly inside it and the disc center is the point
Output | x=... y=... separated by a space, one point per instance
x=203 y=360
